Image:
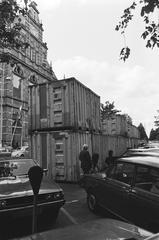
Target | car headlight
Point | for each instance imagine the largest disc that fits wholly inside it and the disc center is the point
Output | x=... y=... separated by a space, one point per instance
x=57 y=195
x=3 y=204
x=54 y=196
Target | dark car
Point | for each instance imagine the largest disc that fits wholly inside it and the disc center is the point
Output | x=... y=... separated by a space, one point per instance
x=16 y=195
x=128 y=189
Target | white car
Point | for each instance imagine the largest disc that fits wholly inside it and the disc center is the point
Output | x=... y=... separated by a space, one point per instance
x=22 y=152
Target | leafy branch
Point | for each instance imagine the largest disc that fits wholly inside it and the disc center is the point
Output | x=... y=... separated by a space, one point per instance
x=151 y=29
x=10 y=28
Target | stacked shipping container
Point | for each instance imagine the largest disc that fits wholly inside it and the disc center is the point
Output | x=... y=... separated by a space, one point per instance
x=118 y=125
x=64 y=115
x=64 y=103
x=59 y=150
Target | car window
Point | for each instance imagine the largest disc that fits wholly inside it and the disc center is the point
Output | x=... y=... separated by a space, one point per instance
x=15 y=168
x=122 y=172
x=147 y=178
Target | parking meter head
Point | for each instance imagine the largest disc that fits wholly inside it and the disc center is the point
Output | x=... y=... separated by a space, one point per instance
x=35 y=174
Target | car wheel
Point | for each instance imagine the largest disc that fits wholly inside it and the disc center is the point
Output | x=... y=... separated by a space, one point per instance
x=92 y=202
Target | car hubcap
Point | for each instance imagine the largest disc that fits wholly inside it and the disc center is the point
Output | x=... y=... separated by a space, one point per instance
x=91 y=201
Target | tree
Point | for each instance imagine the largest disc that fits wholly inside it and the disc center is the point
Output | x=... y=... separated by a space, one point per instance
x=108 y=110
x=154 y=134
x=156 y=122
x=143 y=135
x=10 y=28
x=151 y=31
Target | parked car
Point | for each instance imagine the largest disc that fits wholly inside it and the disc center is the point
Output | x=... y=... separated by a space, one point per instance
x=128 y=189
x=4 y=152
x=22 y=152
x=100 y=229
x=142 y=152
x=16 y=195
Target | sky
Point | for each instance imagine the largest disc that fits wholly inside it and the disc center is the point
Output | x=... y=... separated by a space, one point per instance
x=82 y=43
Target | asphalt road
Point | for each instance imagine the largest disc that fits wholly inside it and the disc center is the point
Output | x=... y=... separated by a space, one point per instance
x=75 y=211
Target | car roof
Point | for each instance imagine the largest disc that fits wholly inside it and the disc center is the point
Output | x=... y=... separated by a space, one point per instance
x=94 y=230
x=133 y=153
x=153 y=149
x=152 y=161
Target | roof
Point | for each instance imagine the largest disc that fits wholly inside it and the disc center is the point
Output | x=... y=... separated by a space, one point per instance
x=152 y=161
x=144 y=150
x=94 y=230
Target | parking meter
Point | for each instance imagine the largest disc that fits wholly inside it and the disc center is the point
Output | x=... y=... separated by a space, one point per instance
x=35 y=174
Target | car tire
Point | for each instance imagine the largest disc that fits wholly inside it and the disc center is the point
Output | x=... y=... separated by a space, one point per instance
x=92 y=202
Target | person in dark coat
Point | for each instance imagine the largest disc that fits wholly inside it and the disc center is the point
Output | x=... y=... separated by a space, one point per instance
x=95 y=157
x=85 y=159
x=110 y=160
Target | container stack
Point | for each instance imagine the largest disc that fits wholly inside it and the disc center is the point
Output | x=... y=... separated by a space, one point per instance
x=64 y=104
x=63 y=116
x=118 y=125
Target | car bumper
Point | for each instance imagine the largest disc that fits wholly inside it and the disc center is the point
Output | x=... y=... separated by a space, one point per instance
x=28 y=210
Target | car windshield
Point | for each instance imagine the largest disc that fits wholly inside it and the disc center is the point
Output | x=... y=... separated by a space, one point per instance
x=18 y=167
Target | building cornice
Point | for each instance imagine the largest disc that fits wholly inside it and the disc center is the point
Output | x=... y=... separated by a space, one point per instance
x=30 y=67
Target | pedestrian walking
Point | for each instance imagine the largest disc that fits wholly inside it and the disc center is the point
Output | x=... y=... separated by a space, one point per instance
x=95 y=157
x=85 y=159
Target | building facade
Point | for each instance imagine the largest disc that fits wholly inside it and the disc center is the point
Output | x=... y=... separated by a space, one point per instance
x=25 y=67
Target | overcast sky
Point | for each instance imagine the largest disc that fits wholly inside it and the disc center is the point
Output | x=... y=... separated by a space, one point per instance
x=82 y=43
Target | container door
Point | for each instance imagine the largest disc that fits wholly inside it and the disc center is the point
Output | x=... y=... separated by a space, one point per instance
x=59 y=156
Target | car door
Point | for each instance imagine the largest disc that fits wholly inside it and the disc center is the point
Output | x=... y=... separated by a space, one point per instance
x=116 y=187
x=144 y=201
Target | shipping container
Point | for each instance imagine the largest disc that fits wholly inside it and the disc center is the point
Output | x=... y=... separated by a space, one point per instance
x=59 y=150
x=64 y=103
x=118 y=125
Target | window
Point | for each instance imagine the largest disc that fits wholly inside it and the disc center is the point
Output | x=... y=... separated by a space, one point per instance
x=122 y=172
x=147 y=178
x=142 y=174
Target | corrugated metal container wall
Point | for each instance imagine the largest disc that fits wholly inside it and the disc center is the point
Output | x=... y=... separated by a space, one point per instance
x=64 y=103
x=59 y=150
x=115 y=125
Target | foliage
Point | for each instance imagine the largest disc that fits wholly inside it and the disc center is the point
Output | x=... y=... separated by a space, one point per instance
x=143 y=135
x=154 y=134
x=157 y=119
x=10 y=29
x=108 y=110
x=151 y=31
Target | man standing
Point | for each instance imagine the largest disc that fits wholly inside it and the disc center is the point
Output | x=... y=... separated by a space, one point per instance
x=85 y=159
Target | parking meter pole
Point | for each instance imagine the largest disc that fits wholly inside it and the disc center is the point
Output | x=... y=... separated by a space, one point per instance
x=34 y=221
x=35 y=174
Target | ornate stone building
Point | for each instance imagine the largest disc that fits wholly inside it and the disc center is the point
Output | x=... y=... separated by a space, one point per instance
x=26 y=67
